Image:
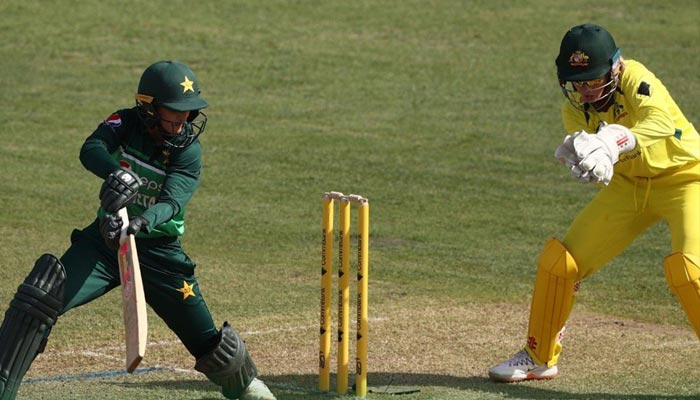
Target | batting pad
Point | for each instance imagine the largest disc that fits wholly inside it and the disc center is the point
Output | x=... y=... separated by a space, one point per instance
x=552 y=301
x=683 y=278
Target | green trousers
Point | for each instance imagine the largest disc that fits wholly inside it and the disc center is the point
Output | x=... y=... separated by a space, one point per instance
x=170 y=286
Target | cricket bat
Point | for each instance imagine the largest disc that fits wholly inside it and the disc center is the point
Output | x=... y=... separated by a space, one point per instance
x=134 y=300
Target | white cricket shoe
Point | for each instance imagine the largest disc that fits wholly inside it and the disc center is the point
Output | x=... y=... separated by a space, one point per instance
x=520 y=368
x=257 y=390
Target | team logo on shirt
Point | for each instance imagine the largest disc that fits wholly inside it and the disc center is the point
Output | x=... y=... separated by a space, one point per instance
x=578 y=59
x=619 y=112
x=113 y=121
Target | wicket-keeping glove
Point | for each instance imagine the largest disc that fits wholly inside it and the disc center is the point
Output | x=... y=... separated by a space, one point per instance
x=596 y=163
x=119 y=190
x=591 y=156
x=565 y=152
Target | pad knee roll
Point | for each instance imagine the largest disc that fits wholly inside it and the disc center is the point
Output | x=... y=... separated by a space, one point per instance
x=552 y=300
x=683 y=278
x=229 y=365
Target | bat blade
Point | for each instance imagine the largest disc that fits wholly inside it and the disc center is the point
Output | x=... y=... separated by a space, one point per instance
x=133 y=298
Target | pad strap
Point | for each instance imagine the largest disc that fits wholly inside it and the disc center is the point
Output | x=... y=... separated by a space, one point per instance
x=229 y=365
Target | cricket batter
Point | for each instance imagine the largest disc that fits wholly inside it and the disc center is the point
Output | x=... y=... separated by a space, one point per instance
x=150 y=159
x=625 y=132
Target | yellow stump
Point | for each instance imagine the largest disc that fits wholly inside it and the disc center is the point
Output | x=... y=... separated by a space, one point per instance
x=343 y=294
x=344 y=250
x=362 y=299
x=324 y=371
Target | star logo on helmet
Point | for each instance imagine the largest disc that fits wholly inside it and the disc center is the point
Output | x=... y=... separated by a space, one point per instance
x=578 y=59
x=187 y=84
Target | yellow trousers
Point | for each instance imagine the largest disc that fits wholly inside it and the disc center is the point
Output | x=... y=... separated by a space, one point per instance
x=622 y=211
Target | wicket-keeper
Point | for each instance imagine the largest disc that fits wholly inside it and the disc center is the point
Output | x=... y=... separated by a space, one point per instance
x=626 y=133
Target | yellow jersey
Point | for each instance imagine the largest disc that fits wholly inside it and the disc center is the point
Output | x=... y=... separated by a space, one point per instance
x=666 y=140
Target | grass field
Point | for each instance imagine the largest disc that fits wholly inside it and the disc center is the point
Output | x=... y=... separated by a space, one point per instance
x=445 y=114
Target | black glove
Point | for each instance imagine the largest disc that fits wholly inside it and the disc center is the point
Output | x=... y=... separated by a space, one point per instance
x=119 y=190
x=111 y=229
x=136 y=224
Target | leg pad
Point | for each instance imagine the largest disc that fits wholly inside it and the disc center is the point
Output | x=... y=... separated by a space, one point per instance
x=683 y=278
x=28 y=321
x=552 y=301
x=229 y=365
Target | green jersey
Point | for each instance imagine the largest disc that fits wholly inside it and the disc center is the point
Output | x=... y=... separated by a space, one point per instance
x=169 y=176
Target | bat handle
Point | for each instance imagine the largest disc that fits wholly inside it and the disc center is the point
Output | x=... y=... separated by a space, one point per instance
x=125 y=224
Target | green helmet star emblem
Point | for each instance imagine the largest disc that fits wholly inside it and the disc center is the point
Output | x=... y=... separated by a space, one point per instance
x=187 y=85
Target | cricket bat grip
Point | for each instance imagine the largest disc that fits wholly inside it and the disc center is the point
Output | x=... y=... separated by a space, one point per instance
x=125 y=224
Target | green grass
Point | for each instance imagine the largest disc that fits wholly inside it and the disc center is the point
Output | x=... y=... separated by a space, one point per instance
x=443 y=113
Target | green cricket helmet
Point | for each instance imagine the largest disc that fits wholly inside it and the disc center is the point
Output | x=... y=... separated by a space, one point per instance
x=587 y=52
x=173 y=85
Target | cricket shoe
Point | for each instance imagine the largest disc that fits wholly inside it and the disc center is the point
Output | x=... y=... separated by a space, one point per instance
x=520 y=368
x=257 y=390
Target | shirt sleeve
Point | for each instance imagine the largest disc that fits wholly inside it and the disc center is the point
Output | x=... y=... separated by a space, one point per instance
x=649 y=100
x=96 y=152
x=182 y=180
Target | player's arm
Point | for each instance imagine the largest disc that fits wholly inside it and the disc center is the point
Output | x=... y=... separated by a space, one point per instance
x=120 y=186
x=650 y=102
x=591 y=157
x=183 y=177
x=120 y=189
x=96 y=152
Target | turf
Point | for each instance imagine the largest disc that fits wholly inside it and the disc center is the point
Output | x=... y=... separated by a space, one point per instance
x=443 y=113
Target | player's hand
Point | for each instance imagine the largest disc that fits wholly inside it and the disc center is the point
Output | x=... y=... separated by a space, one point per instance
x=136 y=224
x=119 y=190
x=111 y=229
x=565 y=152
x=596 y=159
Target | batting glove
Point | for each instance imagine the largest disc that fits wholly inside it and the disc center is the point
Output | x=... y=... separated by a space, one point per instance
x=111 y=229
x=136 y=224
x=119 y=190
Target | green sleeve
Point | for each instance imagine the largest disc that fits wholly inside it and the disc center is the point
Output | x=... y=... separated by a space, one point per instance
x=96 y=152
x=182 y=180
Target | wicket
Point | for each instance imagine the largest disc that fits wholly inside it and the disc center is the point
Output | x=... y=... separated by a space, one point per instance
x=344 y=292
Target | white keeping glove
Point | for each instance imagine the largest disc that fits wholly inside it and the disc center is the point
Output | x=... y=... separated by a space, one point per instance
x=619 y=139
x=596 y=159
x=591 y=156
x=565 y=152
